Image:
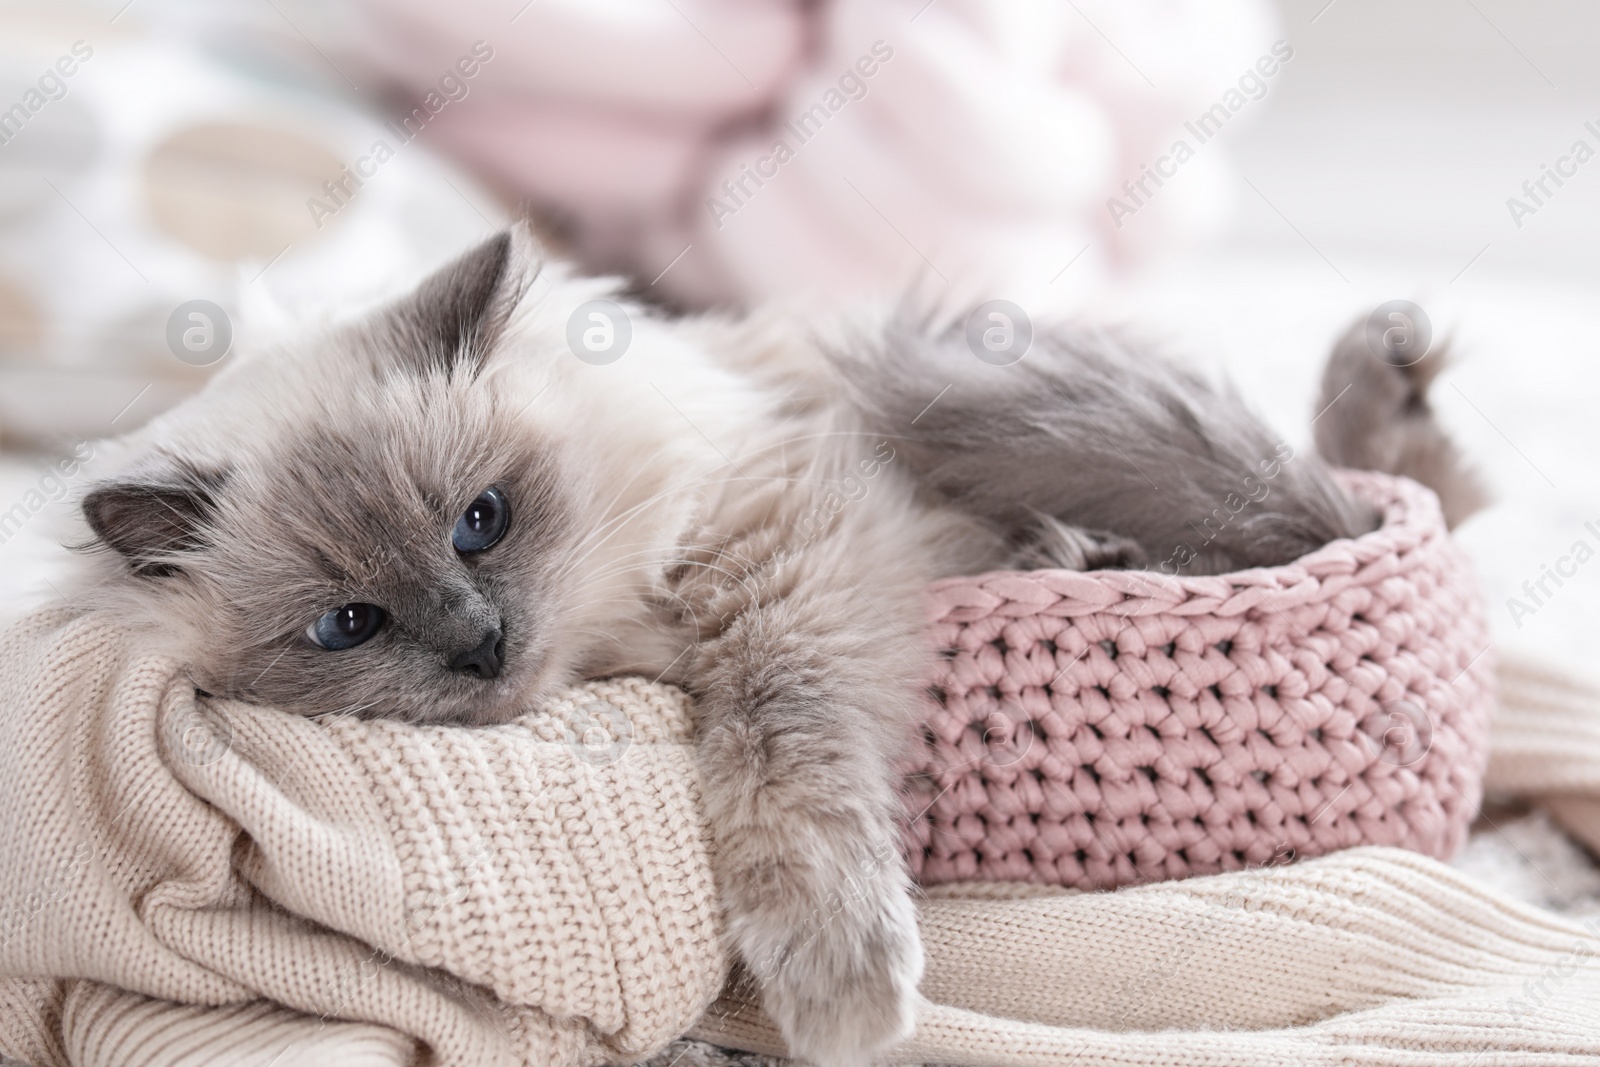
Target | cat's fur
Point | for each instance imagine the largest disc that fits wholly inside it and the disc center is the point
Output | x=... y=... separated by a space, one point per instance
x=1391 y=426
x=749 y=508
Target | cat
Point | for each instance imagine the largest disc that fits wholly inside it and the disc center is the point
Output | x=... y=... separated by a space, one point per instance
x=432 y=511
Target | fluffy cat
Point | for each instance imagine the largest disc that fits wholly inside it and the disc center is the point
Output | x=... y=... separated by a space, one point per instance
x=434 y=512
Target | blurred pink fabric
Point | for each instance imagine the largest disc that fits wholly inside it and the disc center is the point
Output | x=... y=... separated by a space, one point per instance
x=976 y=157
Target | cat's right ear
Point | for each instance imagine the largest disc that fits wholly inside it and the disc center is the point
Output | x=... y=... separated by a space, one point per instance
x=452 y=321
x=152 y=520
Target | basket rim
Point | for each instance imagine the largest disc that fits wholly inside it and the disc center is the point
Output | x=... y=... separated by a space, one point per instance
x=1411 y=518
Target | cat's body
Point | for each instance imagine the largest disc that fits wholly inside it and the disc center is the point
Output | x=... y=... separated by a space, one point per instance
x=749 y=508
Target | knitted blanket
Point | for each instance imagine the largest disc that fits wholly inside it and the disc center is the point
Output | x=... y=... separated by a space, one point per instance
x=189 y=881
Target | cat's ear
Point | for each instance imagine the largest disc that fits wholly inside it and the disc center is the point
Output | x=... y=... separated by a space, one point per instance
x=153 y=518
x=451 y=322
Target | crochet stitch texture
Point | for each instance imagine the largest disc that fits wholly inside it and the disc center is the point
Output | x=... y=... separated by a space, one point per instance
x=1107 y=728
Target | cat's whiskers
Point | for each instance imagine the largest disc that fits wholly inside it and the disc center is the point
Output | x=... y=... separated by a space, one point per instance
x=621 y=518
x=604 y=577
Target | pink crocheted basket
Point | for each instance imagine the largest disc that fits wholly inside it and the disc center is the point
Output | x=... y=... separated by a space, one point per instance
x=1113 y=727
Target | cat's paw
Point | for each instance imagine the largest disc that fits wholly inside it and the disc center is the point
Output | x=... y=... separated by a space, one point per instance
x=845 y=987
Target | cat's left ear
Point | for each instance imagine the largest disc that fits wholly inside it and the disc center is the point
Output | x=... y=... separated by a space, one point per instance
x=154 y=518
x=451 y=322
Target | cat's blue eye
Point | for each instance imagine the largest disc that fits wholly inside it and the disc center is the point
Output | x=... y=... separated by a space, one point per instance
x=483 y=523
x=346 y=627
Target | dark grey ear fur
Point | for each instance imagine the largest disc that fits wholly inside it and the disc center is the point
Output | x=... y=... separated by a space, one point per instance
x=452 y=320
x=150 y=519
x=1385 y=423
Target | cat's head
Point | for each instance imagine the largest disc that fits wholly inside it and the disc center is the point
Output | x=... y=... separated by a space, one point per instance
x=392 y=539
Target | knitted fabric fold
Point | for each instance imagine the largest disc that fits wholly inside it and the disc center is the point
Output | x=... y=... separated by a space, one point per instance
x=1370 y=956
x=522 y=894
x=186 y=881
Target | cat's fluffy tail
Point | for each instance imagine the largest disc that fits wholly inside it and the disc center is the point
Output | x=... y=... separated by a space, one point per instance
x=1373 y=414
x=1091 y=452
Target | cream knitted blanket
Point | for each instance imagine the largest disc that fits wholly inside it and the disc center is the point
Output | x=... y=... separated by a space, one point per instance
x=191 y=882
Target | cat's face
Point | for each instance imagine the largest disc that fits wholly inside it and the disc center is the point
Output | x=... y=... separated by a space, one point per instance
x=407 y=556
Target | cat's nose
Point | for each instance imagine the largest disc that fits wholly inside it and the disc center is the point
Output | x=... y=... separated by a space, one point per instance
x=483 y=659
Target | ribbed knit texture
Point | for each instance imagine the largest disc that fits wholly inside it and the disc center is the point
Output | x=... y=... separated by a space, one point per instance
x=533 y=893
x=189 y=883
